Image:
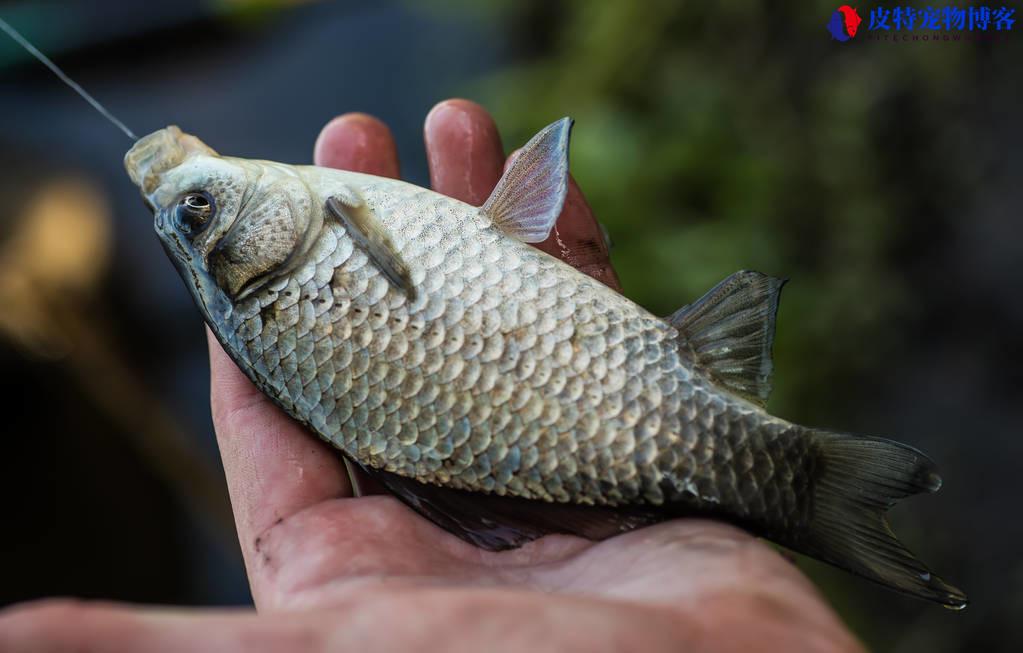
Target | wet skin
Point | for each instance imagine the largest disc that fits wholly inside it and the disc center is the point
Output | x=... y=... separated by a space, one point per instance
x=332 y=572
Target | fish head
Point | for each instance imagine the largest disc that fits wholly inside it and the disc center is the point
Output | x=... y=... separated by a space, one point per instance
x=229 y=225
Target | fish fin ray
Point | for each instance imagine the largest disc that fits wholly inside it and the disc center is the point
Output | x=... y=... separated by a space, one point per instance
x=369 y=235
x=530 y=195
x=859 y=479
x=730 y=331
x=496 y=523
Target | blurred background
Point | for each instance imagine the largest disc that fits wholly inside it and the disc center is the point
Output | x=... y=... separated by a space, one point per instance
x=882 y=178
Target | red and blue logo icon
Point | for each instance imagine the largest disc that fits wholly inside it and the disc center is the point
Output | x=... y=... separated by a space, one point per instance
x=901 y=23
x=844 y=23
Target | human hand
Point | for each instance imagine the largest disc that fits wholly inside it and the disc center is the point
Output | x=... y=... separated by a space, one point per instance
x=330 y=571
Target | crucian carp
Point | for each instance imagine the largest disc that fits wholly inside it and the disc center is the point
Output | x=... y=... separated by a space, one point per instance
x=498 y=391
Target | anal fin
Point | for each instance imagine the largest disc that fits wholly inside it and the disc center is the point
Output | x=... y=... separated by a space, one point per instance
x=495 y=523
x=730 y=330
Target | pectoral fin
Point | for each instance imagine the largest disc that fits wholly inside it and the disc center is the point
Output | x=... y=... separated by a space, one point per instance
x=528 y=199
x=730 y=330
x=496 y=523
x=369 y=235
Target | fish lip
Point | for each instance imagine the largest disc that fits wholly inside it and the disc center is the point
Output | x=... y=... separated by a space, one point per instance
x=172 y=245
x=165 y=234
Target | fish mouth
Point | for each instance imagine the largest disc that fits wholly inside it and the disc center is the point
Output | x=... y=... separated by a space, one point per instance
x=170 y=239
x=208 y=297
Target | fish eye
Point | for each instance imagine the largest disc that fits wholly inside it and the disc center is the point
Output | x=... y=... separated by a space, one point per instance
x=193 y=212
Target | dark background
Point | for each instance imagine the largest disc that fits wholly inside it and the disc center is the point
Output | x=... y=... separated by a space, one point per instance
x=882 y=178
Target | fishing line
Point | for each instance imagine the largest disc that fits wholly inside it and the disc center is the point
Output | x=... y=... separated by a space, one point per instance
x=13 y=33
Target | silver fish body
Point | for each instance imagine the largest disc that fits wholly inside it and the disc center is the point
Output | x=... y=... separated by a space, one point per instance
x=424 y=339
x=511 y=373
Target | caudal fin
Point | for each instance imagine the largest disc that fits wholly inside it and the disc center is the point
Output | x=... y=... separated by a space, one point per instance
x=858 y=480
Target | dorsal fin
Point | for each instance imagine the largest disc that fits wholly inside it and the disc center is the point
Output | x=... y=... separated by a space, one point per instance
x=527 y=200
x=729 y=332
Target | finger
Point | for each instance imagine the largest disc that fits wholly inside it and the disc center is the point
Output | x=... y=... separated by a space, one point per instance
x=578 y=239
x=357 y=142
x=458 y=619
x=274 y=467
x=463 y=150
x=58 y=626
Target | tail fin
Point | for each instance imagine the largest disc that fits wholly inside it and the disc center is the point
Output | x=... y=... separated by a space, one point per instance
x=859 y=479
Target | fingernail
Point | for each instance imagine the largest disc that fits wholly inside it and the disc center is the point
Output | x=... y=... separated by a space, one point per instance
x=357 y=141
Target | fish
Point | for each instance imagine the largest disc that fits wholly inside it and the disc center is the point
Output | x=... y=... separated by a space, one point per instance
x=496 y=390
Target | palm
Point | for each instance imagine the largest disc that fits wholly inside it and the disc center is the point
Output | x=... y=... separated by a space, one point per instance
x=320 y=555
x=328 y=569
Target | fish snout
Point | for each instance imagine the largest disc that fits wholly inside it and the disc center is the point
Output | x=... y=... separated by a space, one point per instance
x=156 y=153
